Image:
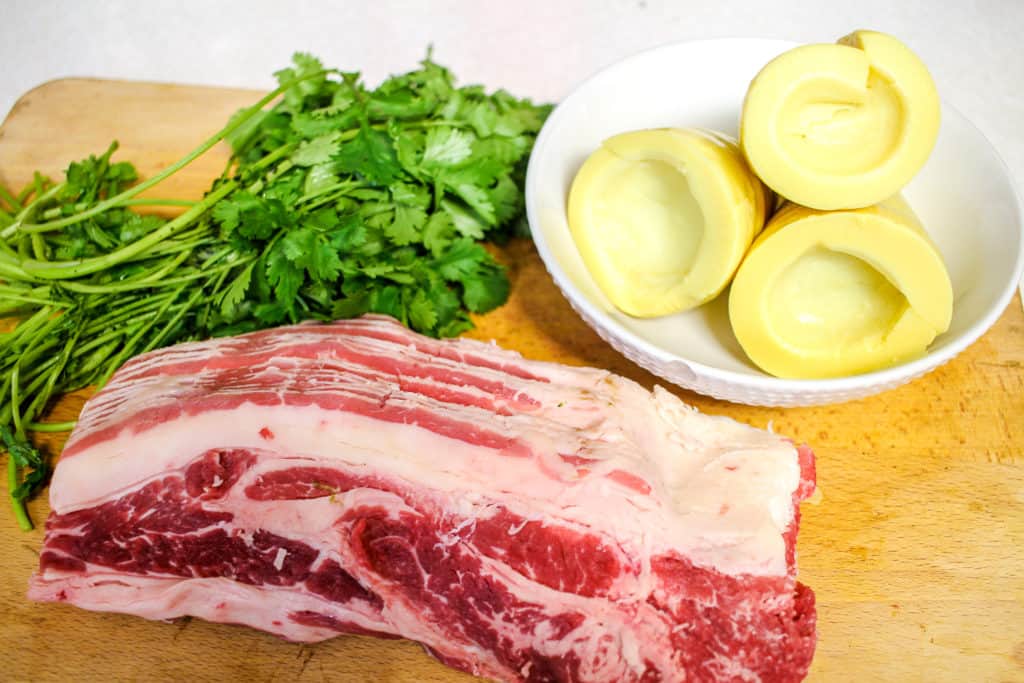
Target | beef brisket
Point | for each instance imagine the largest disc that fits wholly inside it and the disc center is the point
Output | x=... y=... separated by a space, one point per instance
x=522 y=520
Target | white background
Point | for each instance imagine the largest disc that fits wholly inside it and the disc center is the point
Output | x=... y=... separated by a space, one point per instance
x=535 y=48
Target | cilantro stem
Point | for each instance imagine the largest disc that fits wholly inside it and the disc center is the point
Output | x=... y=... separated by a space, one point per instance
x=11 y=200
x=23 y=251
x=9 y=413
x=33 y=385
x=25 y=193
x=108 y=336
x=39 y=402
x=259 y=184
x=6 y=251
x=184 y=242
x=221 y=276
x=4 y=307
x=34 y=335
x=135 y=190
x=43 y=339
x=152 y=201
x=129 y=345
x=10 y=271
x=86 y=372
x=110 y=289
x=57 y=211
x=124 y=312
x=19 y=432
x=39 y=247
x=24 y=289
x=345 y=186
x=40 y=198
x=158 y=339
x=147 y=279
x=20 y=513
x=40 y=181
x=64 y=270
x=272 y=157
x=26 y=327
x=51 y=426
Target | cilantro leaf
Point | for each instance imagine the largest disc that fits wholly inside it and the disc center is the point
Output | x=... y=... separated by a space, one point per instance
x=235 y=292
x=411 y=195
x=485 y=285
x=348 y=236
x=319 y=150
x=410 y=215
x=388 y=301
x=466 y=223
x=251 y=216
x=324 y=219
x=272 y=312
x=320 y=178
x=307 y=249
x=401 y=103
x=286 y=189
x=370 y=155
x=335 y=117
x=446 y=147
x=228 y=213
x=478 y=199
x=504 y=150
x=506 y=198
x=324 y=263
x=486 y=290
x=461 y=260
x=95 y=178
x=306 y=67
x=480 y=170
x=409 y=145
x=283 y=274
x=407 y=225
x=298 y=244
x=136 y=226
x=482 y=116
x=351 y=306
x=439 y=232
x=25 y=456
x=422 y=314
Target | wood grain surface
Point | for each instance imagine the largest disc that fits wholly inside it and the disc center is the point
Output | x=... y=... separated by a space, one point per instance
x=915 y=550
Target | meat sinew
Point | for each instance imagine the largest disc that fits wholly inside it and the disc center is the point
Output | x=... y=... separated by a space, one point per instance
x=522 y=520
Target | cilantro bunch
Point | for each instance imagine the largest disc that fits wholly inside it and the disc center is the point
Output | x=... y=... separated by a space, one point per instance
x=339 y=200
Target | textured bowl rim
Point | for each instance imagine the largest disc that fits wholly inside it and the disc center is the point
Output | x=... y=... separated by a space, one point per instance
x=764 y=382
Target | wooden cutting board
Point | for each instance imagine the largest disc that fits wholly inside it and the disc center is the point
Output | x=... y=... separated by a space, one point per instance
x=915 y=551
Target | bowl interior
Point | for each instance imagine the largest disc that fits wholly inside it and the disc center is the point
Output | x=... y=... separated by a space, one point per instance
x=963 y=196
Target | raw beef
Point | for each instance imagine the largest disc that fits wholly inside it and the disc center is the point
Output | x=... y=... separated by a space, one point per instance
x=522 y=520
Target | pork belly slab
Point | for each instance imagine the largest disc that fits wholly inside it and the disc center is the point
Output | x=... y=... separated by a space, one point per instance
x=522 y=520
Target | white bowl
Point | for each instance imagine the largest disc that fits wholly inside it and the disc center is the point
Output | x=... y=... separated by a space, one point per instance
x=963 y=195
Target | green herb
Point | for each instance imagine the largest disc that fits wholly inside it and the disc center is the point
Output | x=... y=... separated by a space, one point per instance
x=339 y=200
